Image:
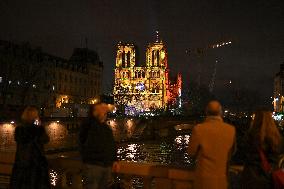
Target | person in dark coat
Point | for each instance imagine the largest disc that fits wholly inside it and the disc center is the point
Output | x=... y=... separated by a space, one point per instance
x=263 y=135
x=30 y=170
x=97 y=147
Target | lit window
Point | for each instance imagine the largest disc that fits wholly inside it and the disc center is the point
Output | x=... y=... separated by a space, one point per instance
x=34 y=86
x=53 y=87
x=19 y=83
x=1 y=79
x=9 y=82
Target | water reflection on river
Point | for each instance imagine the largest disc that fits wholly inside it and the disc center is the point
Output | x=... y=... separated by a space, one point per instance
x=166 y=152
x=58 y=134
x=161 y=152
x=7 y=137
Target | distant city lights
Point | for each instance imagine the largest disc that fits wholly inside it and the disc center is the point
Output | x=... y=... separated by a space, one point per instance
x=36 y=122
x=53 y=177
x=93 y=101
x=218 y=45
x=277 y=117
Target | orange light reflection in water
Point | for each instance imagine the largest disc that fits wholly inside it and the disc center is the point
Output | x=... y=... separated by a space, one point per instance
x=7 y=141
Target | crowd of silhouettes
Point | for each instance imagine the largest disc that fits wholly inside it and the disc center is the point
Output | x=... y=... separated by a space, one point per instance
x=254 y=142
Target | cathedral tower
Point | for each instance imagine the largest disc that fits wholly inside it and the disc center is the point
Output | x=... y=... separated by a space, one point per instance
x=125 y=55
x=156 y=55
x=140 y=89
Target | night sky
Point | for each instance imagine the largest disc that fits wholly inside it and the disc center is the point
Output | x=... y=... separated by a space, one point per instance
x=255 y=27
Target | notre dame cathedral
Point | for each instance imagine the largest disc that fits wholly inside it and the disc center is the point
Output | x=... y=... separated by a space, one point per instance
x=140 y=89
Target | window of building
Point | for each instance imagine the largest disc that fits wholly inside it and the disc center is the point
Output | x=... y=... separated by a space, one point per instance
x=143 y=74
x=1 y=79
x=153 y=57
x=124 y=75
x=155 y=90
x=127 y=64
x=123 y=58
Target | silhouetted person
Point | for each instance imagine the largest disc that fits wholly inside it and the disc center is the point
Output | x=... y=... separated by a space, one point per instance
x=263 y=135
x=97 y=148
x=30 y=170
x=212 y=143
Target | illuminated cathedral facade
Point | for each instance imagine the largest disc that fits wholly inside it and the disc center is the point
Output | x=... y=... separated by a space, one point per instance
x=140 y=89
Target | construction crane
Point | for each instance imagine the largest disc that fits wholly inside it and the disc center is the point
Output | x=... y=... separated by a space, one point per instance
x=200 y=52
x=213 y=77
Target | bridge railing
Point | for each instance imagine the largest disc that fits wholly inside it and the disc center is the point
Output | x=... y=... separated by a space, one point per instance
x=67 y=173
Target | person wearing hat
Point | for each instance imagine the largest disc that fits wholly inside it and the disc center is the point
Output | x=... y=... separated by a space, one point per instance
x=97 y=147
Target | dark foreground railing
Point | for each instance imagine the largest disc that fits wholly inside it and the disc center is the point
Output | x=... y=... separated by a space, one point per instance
x=66 y=173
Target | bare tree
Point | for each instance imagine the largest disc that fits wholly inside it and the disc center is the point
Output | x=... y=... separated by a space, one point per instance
x=31 y=72
x=22 y=73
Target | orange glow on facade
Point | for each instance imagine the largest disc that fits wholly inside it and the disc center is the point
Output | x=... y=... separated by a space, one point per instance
x=143 y=88
x=62 y=99
x=7 y=136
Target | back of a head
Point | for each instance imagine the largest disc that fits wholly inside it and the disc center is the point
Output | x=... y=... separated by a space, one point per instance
x=213 y=108
x=92 y=109
x=29 y=115
x=264 y=129
x=100 y=110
